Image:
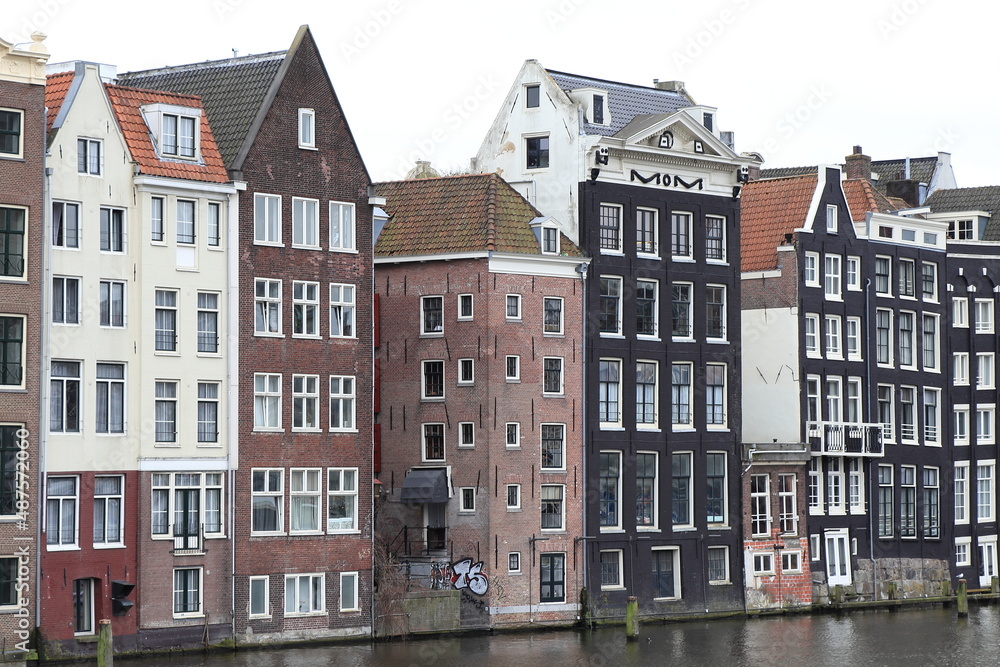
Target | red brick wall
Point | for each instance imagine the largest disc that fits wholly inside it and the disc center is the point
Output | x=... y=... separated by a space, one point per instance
x=335 y=171
x=21 y=185
x=492 y=531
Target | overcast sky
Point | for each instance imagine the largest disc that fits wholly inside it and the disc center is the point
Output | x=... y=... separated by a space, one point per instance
x=799 y=82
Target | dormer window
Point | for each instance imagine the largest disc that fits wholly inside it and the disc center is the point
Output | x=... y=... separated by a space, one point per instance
x=960 y=230
x=175 y=129
x=550 y=240
x=708 y=120
x=307 y=128
x=179 y=135
x=599 y=109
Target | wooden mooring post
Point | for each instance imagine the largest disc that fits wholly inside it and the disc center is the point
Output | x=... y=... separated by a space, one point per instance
x=632 y=618
x=963 y=599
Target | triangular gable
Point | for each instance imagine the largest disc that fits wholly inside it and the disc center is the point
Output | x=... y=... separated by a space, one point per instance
x=683 y=131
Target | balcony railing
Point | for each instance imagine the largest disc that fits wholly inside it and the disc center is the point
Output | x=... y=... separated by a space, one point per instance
x=845 y=439
x=420 y=541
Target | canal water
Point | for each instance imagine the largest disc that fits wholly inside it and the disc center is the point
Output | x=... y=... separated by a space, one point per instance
x=913 y=638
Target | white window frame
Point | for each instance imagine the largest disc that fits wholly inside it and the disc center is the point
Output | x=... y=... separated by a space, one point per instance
x=305 y=300
x=343 y=298
x=985 y=424
x=315 y=605
x=960 y=492
x=562 y=448
x=466 y=500
x=353 y=603
x=642 y=420
x=886 y=262
x=852 y=338
x=107 y=513
x=267 y=219
x=514 y=562
x=961 y=424
x=984 y=316
x=512 y=368
x=833 y=330
x=466 y=429
x=723 y=313
x=267 y=402
x=615 y=423
x=307 y=128
x=562 y=508
x=620 y=570
x=831 y=218
x=512 y=307
x=424 y=458
x=985 y=491
x=92 y=166
x=305 y=484
x=265 y=583
x=655 y=215
x=811 y=332
x=426 y=330
x=656 y=312
x=512 y=429
x=833 y=277
x=117 y=308
x=305 y=393
x=558 y=331
x=760 y=505
x=717 y=581
x=270 y=474
x=68 y=306
x=68 y=234
x=516 y=490
x=200 y=592
x=985 y=370
x=681 y=390
x=50 y=515
x=762 y=563
x=810 y=269
x=852 y=273
x=343 y=227
x=345 y=401
x=722 y=225
x=347 y=488
x=267 y=307
x=305 y=223
x=960 y=368
x=425 y=364
x=618 y=300
x=619 y=231
x=470 y=378
x=960 y=312
x=555 y=361
x=463 y=299
x=19 y=153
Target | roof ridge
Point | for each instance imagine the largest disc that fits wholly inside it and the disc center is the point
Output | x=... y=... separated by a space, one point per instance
x=223 y=62
x=151 y=91
x=617 y=83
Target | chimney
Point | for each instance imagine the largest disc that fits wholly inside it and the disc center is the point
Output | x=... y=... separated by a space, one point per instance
x=859 y=165
x=675 y=86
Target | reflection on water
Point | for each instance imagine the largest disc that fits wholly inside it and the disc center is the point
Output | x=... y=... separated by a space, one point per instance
x=919 y=637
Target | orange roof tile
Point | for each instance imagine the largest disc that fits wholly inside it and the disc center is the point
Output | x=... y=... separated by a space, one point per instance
x=56 y=87
x=474 y=213
x=769 y=209
x=127 y=103
x=863 y=197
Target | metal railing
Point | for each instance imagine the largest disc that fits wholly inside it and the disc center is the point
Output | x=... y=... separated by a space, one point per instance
x=420 y=541
x=845 y=439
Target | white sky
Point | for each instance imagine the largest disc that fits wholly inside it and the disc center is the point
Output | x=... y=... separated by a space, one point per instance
x=798 y=81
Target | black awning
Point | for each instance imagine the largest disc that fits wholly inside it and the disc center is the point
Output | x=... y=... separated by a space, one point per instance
x=425 y=485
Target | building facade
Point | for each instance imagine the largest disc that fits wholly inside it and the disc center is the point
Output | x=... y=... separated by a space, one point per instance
x=842 y=335
x=137 y=448
x=654 y=202
x=304 y=413
x=481 y=348
x=22 y=225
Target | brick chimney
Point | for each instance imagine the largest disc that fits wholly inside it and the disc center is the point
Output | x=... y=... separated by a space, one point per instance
x=859 y=165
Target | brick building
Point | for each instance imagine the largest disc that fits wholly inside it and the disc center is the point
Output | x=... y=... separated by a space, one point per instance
x=22 y=233
x=481 y=399
x=138 y=440
x=304 y=412
x=843 y=309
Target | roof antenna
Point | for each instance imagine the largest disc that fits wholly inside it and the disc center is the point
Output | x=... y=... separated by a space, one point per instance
x=236 y=53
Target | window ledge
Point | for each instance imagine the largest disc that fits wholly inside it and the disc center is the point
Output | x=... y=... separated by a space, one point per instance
x=682 y=258
x=304 y=614
x=273 y=244
x=348 y=251
x=109 y=546
x=300 y=246
x=612 y=335
x=717 y=341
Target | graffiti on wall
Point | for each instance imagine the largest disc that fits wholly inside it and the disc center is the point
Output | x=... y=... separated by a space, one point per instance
x=469 y=575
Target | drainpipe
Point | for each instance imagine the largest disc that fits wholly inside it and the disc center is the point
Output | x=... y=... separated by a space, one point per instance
x=45 y=356
x=584 y=440
x=871 y=462
x=232 y=372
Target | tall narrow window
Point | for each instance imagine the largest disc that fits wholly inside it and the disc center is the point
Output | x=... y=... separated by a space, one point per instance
x=10 y=132
x=680 y=489
x=267 y=306
x=610 y=489
x=715 y=238
x=267 y=219
x=715 y=312
x=885 y=501
x=681 y=315
x=433 y=442
x=646 y=307
x=760 y=505
x=65 y=300
x=645 y=489
x=341 y=311
x=432 y=315
x=208 y=412
x=788 y=516
x=342 y=500
x=305 y=402
x=307 y=128
x=715 y=495
x=908 y=501
x=267 y=401
x=932 y=503
x=552 y=376
x=609 y=392
x=166 y=412
x=907 y=338
x=645 y=393
x=883 y=275
x=65 y=224
x=208 y=322
x=342 y=226
x=610 y=227
x=831 y=276
x=64 y=397
x=610 y=302
x=883 y=336
x=214 y=224
x=645 y=231
x=305 y=309
x=433 y=382
x=11 y=242
x=553 y=322
x=110 y=398
x=341 y=403
x=107 y=509
x=553 y=447
x=185 y=221
x=61 y=512
x=715 y=395
x=156 y=219
x=305 y=222
x=88 y=157
x=680 y=235
x=906 y=281
x=680 y=395
x=112 y=230
x=166 y=320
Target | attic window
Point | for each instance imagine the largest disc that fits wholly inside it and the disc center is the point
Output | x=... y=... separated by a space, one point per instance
x=599 y=109
x=531 y=97
x=307 y=128
x=960 y=230
x=179 y=135
x=550 y=240
x=708 y=119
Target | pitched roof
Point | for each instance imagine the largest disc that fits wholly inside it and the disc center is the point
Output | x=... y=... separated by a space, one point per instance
x=863 y=197
x=921 y=169
x=56 y=87
x=454 y=214
x=127 y=103
x=983 y=198
x=769 y=209
x=625 y=100
x=232 y=91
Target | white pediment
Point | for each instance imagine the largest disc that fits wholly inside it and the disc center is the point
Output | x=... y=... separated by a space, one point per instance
x=677 y=132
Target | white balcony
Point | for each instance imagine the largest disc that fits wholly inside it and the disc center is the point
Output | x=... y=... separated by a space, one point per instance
x=845 y=439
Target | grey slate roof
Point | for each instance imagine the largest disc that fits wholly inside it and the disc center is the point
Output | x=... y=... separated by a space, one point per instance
x=625 y=100
x=921 y=169
x=984 y=198
x=232 y=91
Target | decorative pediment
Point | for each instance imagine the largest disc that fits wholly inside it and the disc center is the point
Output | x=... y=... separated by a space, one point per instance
x=677 y=132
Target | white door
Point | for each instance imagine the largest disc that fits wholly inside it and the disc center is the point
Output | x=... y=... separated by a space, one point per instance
x=838 y=558
x=987 y=562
